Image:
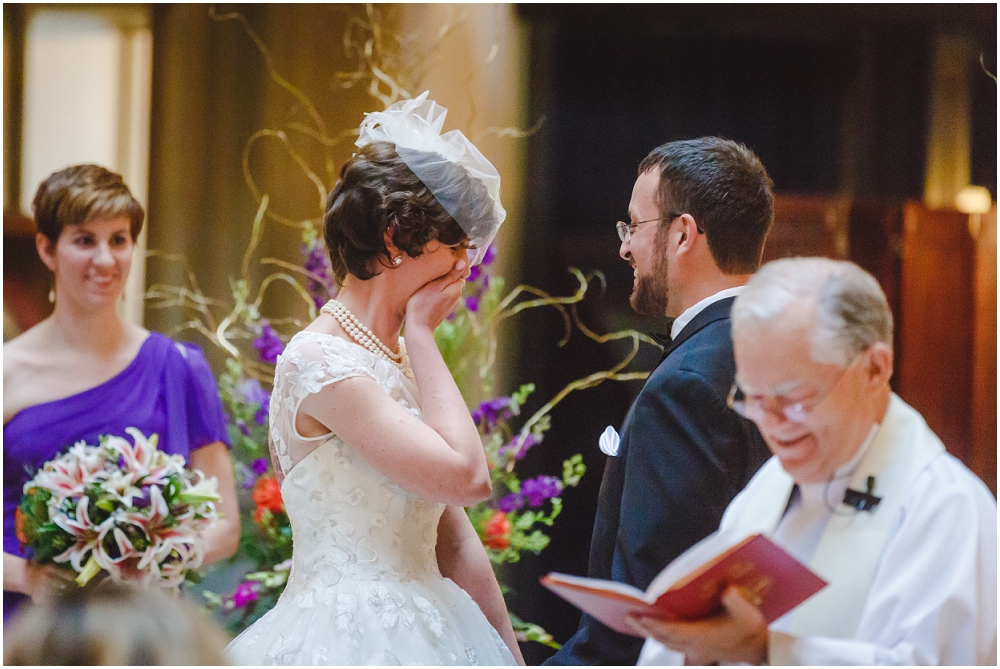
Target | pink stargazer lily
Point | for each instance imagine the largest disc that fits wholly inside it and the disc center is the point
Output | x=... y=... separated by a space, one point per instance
x=83 y=530
x=149 y=464
x=69 y=475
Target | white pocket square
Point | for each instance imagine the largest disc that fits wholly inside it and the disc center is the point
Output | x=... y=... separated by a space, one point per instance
x=609 y=441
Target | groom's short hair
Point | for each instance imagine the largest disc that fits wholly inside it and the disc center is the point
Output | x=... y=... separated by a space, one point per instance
x=724 y=186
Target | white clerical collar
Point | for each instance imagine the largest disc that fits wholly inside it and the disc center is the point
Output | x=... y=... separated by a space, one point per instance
x=694 y=310
x=830 y=492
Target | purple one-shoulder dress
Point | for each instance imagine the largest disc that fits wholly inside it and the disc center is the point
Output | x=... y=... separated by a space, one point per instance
x=168 y=389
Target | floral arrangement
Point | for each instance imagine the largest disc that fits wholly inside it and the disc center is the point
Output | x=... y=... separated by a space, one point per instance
x=128 y=510
x=514 y=520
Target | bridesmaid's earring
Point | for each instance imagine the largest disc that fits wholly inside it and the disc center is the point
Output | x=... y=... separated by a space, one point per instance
x=52 y=296
x=397 y=261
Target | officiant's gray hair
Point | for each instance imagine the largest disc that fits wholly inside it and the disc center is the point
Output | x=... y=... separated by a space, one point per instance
x=851 y=310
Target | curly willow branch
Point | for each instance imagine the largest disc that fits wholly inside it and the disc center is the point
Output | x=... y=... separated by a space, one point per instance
x=269 y=64
x=592 y=380
x=290 y=280
x=572 y=319
x=254 y=237
x=299 y=160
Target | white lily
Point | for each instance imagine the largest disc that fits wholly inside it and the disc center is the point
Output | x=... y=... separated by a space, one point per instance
x=206 y=490
x=122 y=486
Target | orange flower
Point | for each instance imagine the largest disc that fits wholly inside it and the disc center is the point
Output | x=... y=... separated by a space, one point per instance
x=267 y=495
x=497 y=531
x=19 y=526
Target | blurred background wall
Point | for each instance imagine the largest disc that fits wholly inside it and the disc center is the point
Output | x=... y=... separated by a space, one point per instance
x=873 y=120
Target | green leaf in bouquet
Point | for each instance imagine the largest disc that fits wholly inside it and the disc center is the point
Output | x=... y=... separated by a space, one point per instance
x=204 y=491
x=536 y=541
x=90 y=570
x=525 y=520
x=573 y=470
x=532 y=632
x=171 y=489
x=214 y=600
x=191 y=576
x=49 y=540
x=135 y=535
x=521 y=396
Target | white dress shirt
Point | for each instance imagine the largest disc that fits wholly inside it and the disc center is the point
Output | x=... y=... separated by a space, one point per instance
x=696 y=308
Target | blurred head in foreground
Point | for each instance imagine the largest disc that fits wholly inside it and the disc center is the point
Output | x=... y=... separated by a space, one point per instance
x=113 y=624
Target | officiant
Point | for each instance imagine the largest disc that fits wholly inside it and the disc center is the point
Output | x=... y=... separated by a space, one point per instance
x=859 y=489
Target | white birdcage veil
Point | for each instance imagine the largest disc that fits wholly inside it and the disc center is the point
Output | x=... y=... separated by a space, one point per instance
x=414 y=126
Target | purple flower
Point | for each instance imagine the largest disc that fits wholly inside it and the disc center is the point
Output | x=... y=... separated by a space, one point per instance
x=142 y=501
x=490 y=255
x=261 y=416
x=540 y=489
x=259 y=466
x=318 y=262
x=474 y=273
x=252 y=392
x=268 y=343
x=472 y=303
x=246 y=474
x=492 y=410
x=245 y=593
x=244 y=428
x=519 y=448
x=511 y=502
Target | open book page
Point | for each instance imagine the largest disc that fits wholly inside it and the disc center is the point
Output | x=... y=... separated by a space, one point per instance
x=691 y=588
x=706 y=550
x=584 y=583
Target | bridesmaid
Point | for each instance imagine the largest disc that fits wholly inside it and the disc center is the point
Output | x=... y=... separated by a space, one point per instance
x=85 y=372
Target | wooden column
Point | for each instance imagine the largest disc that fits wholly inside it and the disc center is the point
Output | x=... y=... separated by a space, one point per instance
x=983 y=457
x=936 y=323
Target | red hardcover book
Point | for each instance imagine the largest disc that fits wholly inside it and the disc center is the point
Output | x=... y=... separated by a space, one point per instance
x=691 y=587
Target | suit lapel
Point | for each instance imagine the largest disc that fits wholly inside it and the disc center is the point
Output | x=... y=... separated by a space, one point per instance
x=713 y=312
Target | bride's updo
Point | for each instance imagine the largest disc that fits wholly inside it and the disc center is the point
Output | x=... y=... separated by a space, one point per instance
x=377 y=192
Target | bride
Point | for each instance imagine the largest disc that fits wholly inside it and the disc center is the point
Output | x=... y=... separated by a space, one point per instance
x=376 y=448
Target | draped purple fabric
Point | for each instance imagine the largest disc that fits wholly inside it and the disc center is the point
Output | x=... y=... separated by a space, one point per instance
x=168 y=389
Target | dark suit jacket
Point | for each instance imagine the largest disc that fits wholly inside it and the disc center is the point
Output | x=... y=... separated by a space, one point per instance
x=683 y=456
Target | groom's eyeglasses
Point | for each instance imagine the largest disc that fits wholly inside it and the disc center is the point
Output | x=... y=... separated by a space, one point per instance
x=625 y=229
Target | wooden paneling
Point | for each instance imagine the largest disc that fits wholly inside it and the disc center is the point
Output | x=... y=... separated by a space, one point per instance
x=808 y=225
x=876 y=241
x=983 y=458
x=936 y=324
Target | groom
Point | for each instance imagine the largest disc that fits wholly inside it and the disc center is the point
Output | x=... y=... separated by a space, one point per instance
x=700 y=211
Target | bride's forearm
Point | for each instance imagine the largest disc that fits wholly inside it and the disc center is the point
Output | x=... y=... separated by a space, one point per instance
x=462 y=558
x=441 y=402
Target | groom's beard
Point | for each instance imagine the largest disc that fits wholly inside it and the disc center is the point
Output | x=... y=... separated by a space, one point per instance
x=651 y=294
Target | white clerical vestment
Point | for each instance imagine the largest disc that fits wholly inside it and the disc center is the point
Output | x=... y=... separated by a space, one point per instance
x=912 y=582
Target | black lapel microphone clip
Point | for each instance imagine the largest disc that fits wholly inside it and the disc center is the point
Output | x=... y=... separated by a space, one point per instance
x=862 y=501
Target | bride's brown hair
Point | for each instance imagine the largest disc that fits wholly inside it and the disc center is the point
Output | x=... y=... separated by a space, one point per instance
x=376 y=193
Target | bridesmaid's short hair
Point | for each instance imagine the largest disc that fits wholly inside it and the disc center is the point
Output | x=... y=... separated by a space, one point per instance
x=376 y=193
x=83 y=193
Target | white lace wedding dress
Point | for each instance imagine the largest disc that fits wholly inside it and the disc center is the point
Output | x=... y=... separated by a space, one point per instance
x=365 y=586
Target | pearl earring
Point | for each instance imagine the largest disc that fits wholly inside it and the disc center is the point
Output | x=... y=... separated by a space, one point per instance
x=397 y=261
x=52 y=296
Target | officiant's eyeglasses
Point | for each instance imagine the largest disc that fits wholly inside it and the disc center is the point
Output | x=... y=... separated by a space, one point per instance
x=753 y=407
x=625 y=229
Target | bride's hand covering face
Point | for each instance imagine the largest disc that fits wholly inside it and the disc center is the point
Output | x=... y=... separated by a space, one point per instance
x=437 y=298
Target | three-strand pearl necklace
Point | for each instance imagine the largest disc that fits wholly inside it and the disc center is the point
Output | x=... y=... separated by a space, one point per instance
x=365 y=337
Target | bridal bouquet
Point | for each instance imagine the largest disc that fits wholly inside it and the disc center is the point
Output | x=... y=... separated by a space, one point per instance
x=123 y=508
